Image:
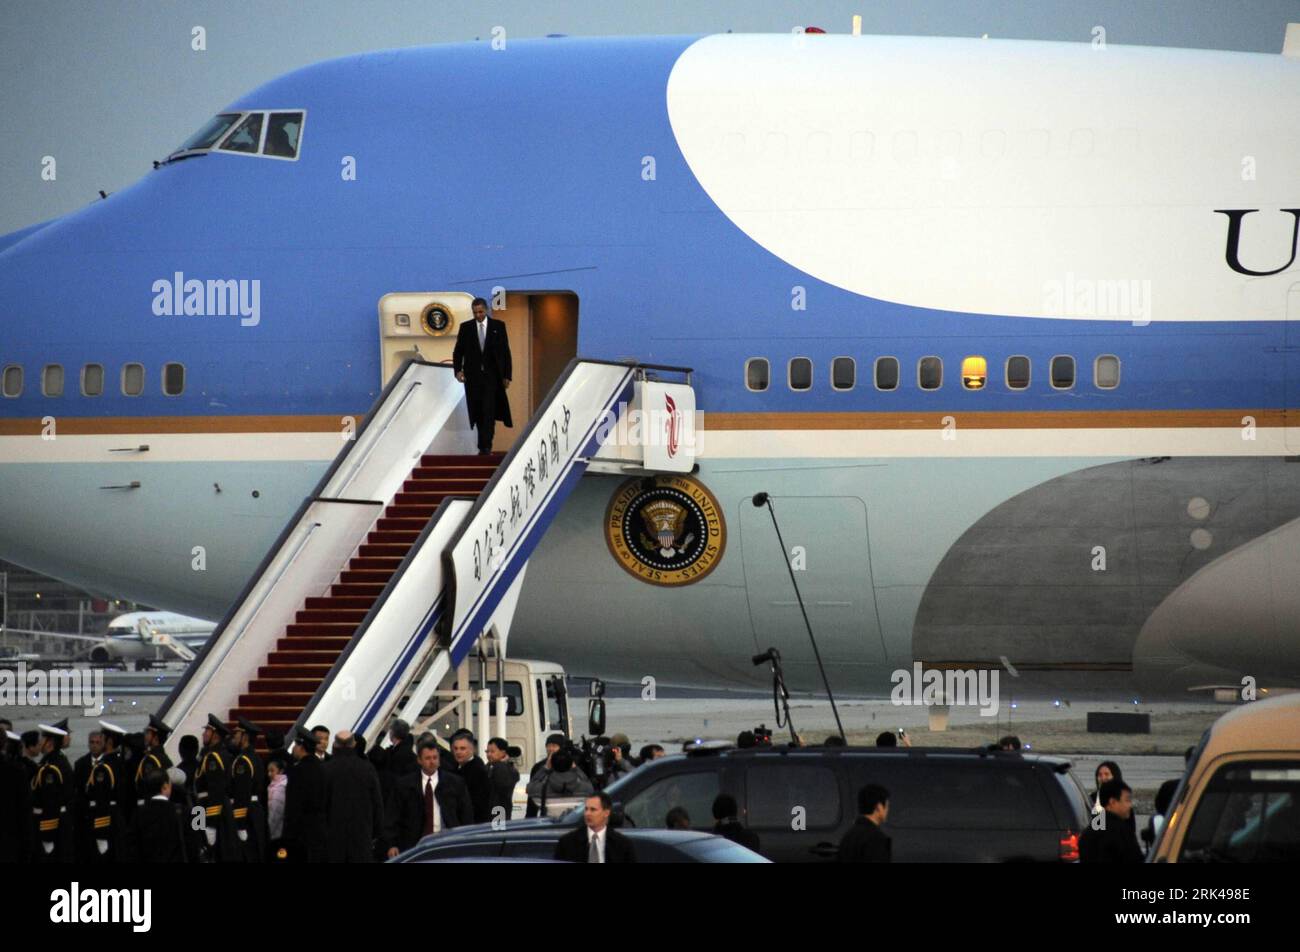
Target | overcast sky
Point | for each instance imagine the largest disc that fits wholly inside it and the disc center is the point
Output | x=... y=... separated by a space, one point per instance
x=106 y=86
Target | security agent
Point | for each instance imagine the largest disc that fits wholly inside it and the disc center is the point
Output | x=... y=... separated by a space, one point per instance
x=594 y=841
x=865 y=842
x=52 y=797
x=155 y=757
x=157 y=831
x=104 y=790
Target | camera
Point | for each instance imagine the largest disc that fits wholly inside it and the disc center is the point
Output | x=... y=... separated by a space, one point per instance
x=762 y=736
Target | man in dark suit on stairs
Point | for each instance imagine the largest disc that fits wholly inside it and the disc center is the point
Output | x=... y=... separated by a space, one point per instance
x=481 y=360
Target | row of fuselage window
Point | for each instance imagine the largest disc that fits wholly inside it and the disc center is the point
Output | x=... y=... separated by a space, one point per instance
x=131 y=380
x=887 y=373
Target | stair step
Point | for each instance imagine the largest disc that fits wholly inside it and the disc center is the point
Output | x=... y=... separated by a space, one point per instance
x=453 y=472
x=401 y=524
x=348 y=576
x=313 y=644
x=332 y=615
x=368 y=590
x=491 y=459
x=320 y=630
x=390 y=550
x=292 y=685
x=421 y=512
x=387 y=563
x=326 y=658
x=339 y=601
x=429 y=490
x=298 y=699
x=260 y=714
x=393 y=537
x=284 y=669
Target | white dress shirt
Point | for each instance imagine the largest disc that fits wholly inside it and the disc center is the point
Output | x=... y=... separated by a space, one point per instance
x=431 y=782
x=482 y=334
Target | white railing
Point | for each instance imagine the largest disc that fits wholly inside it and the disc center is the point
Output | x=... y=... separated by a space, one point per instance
x=421 y=410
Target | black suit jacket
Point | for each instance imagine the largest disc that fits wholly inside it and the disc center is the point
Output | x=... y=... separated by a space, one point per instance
x=475 y=774
x=484 y=369
x=354 y=809
x=406 y=818
x=865 y=843
x=1114 y=844
x=156 y=834
x=572 y=847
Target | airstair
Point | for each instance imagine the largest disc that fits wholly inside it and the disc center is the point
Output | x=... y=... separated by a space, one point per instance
x=410 y=552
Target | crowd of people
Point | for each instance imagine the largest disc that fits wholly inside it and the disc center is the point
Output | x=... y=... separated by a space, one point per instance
x=230 y=798
x=336 y=799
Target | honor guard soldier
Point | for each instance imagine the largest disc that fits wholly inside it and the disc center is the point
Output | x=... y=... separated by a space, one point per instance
x=212 y=793
x=304 y=804
x=155 y=758
x=248 y=792
x=52 y=797
x=103 y=789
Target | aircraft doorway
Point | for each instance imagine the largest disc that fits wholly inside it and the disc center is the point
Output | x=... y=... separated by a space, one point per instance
x=1291 y=369
x=542 y=327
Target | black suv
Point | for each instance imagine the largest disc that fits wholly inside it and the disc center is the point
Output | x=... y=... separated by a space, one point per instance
x=945 y=805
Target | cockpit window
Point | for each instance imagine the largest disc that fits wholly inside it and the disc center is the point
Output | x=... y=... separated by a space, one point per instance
x=216 y=127
x=247 y=136
x=282 y=135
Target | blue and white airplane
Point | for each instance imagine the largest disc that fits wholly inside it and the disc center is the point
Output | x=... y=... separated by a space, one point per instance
x=1009 y=331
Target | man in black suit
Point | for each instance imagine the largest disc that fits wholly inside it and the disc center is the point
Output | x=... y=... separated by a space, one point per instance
x=865 y=843
x=429 y=801
x=467 y=766
x=482 y=362
x=594 y=841
x=156 y=833
x=304 y=804
x=354 y=803
x=1109 y=837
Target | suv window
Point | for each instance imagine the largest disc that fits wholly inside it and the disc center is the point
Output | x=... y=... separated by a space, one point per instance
x=1249 y=813
x=694 y=791
x=952 y=796
x=774 y=791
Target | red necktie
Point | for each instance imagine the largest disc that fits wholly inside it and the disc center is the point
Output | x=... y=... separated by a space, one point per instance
x=428 y=807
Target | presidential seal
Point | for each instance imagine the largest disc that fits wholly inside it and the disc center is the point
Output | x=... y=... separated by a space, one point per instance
x=666 y=530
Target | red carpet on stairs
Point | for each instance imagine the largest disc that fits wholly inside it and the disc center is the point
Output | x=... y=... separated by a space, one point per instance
x=325 y=624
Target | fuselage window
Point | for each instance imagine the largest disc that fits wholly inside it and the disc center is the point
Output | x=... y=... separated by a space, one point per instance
x=1105 y=372
x=247 y=136
x=757 y=374
x=1017 y=373
x=133 y=379
x=1062 y=372
x=844 y=373
x=929 y=373
x=801 y=373
x=13 y=381
x=52 y=380
x=974 y=373
x=173 y=379
x=282 y=135
x=92 y=380
x=206 y=137
x=886 y=373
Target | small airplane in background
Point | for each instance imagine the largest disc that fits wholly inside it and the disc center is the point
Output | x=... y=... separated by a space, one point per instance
x=143 y=638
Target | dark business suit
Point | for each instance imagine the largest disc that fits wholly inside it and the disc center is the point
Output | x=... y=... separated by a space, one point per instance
x=406 y=822
x=573 y=846
x=354 y=809
x=475 y=774
x=156 y=834
x=486 y=369
x=865 y=843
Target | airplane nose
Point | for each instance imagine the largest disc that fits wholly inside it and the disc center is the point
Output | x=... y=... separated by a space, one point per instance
x=1229 y=620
